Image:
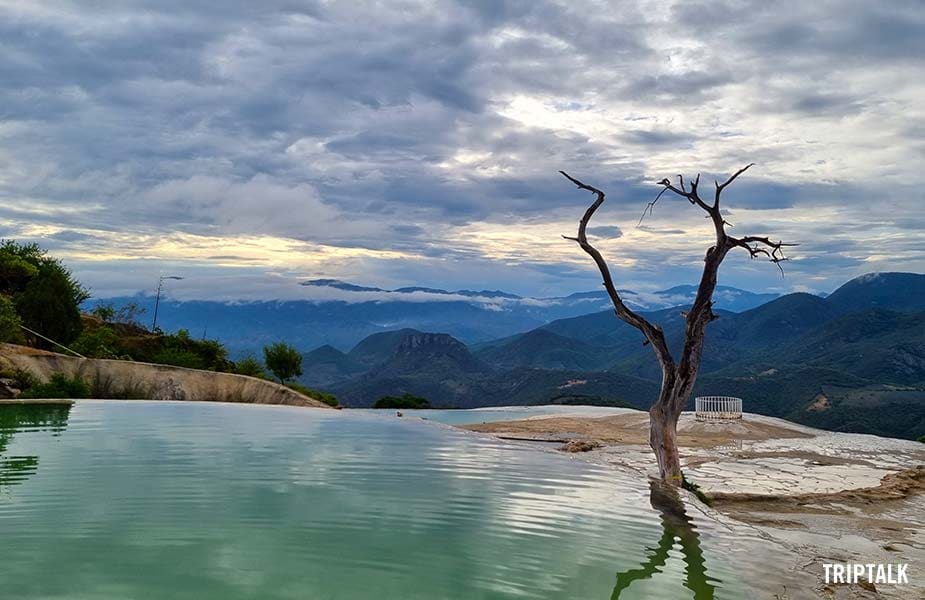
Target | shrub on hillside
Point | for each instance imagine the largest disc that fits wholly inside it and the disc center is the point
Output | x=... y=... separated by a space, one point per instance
x=100 y=342
x=59 y=386
x=329 y=399
x=178 y=357
x=404 y=401
x=179 y=350
x=251 y=367
x=23 y=378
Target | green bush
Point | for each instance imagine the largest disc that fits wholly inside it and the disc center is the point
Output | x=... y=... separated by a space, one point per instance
x=44 y=292
x=24 y=379
x=251 y=367
x=404 y=401
x=181 y=350
x=59 y=386
x=695 y=489
x=101 y=342
x=112 y=388
x=329 y=399
x=283 y=360
x=922 y=439
x=9 y=322
x=178 y=357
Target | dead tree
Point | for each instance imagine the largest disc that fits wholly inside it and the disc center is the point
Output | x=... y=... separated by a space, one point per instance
x=678 y=376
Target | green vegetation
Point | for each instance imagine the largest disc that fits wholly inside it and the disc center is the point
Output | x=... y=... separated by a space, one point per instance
x=181 y=350
x=404 y=401
x=922 y=439
x=283 y=360
x=695 y=489
x=329 y=399
x=98 y=342
x=45 y=295
x=251 y=367
x=9 y=322
x=60 y=386
x=22 y=378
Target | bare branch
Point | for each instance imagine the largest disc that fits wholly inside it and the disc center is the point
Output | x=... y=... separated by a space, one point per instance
x=583 y=186
x=692 y=196
x=762 y=246
x=652 y=333
x=735 y=175
x=651 y=205
x=721 y=186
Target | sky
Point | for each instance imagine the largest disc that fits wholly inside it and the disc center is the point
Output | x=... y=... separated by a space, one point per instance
x=248 y=146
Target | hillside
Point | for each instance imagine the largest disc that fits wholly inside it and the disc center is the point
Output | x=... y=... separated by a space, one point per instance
x=441 y=368
x=846 y=365
x=878 y=345
x=541 y=348
x=326 y=365
x=903 y=292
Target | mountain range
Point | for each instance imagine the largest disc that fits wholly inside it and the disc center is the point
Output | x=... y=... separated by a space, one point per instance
x=341 y=314
x=853 y=361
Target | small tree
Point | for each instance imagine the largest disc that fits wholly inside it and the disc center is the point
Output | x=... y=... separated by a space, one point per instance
x=283 y=360
x=104 y=312
x=9 y=322
x=678 y=377
x=128 y=314
x=43 y=290
x=49 y=306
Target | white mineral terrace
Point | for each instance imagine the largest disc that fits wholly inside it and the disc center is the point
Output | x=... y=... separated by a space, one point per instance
x=827 y=462
x=789 y=482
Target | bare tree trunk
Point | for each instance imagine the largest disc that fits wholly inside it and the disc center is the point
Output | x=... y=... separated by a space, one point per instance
x=663 y=434
x=677 y=378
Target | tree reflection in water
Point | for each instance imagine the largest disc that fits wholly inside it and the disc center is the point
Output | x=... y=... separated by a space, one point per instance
x=16 y=418
x=675 y=525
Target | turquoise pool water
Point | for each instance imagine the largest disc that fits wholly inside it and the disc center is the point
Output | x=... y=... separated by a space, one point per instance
x=139 y=500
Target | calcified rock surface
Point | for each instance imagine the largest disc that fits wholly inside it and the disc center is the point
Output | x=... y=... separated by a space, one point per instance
x=831 y=497
x=127 y=379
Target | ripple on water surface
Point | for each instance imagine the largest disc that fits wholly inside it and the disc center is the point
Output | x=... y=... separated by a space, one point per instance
x=115 y=500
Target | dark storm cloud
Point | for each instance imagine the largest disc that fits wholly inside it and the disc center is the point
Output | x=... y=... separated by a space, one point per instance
x=71 y=236
x=394 y=128
x=606 y=231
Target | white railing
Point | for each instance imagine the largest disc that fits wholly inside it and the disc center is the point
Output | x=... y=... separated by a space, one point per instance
x=717 y=408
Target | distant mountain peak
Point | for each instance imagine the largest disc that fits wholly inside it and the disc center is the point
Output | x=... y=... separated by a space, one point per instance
x=340 y=285
x=418 y=340
x=885 y=290
x=487 y=294
x=417 y=288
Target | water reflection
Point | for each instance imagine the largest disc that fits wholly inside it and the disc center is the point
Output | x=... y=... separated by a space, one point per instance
x=676 y=524
x=28 y=417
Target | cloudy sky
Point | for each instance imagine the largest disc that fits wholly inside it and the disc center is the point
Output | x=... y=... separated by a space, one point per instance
x=250 y=145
